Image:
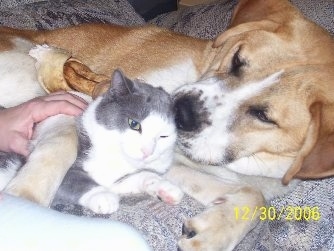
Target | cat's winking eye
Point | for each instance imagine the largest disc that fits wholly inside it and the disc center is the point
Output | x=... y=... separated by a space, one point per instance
x=134 y=125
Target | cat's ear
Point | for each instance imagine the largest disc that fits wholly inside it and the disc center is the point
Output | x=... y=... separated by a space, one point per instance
x=120 y=84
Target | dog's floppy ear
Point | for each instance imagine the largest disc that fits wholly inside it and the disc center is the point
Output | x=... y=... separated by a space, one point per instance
x=251 y=15
x=316 y=157
x=245 y=27
x=256 y=10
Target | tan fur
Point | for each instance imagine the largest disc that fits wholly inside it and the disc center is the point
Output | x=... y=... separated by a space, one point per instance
x=5 y=44
x=119 y=46
x=271 y=36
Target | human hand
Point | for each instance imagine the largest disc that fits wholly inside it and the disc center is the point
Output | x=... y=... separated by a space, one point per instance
x=17 y=123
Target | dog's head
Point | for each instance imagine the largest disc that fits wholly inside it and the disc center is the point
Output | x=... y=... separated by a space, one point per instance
x=266 y=107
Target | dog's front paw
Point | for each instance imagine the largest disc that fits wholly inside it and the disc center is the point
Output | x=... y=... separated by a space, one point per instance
x=163 y=189
x=214 y=229
x=100 y=200
x=203 y=232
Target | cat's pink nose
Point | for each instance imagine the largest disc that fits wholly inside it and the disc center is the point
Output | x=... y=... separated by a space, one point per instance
x=147 y=151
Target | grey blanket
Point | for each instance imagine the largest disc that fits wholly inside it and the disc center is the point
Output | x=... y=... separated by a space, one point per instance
x=159 y=223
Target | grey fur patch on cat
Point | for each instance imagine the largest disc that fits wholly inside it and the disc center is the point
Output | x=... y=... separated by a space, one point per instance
x=135 y=99
x=11 y=160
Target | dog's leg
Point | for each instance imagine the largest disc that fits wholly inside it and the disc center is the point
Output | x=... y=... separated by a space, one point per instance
x=218 y=227
x=55 y=149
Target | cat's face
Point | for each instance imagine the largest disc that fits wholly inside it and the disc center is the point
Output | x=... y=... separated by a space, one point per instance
x=149 y=139
x=140 y=117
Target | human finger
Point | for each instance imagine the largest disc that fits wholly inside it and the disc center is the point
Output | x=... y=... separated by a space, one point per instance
x=43 y=110
x=72 y=98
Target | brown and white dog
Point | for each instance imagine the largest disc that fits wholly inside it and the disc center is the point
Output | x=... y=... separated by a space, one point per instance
x=254 y=108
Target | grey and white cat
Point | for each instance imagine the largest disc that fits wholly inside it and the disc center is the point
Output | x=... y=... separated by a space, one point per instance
x=126 y=144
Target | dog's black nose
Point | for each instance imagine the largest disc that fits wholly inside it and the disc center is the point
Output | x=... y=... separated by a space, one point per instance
x=185 y=113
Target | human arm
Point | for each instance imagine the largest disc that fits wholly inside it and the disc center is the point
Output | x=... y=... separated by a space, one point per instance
x=17 y=123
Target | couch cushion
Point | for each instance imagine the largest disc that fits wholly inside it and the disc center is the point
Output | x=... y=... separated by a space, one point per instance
x=13 y=3
x=204 y=21
x=159 y=223
x=60 y=13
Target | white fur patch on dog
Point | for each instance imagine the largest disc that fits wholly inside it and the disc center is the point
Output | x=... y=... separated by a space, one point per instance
x=174 y=76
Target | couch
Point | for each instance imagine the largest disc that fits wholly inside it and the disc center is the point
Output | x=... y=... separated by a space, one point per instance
x=161 y=224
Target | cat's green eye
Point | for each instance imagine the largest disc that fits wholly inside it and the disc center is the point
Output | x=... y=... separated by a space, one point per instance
x=134 y=125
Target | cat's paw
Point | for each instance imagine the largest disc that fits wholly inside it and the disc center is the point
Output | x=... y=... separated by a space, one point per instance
x=170 y=193
x=100 y=200
x=165 y=190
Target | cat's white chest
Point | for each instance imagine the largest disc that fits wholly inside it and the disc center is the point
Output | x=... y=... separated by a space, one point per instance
x=105 y=166
x=105 y=163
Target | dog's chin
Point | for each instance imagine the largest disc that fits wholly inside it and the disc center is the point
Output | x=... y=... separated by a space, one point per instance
x=199 y=157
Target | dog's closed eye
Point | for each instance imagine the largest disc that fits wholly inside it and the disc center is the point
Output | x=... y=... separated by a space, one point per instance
x=236 y=64
x=260 y=113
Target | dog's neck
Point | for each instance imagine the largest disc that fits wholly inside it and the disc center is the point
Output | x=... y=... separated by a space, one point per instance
x=190 y=69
